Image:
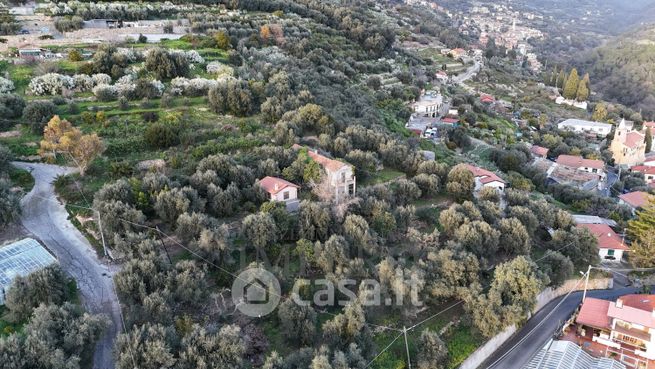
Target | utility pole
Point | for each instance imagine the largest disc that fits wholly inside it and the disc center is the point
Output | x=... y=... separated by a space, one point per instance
x=163 y=245
x=409 y=359
x=586 y=283
x=102 y=234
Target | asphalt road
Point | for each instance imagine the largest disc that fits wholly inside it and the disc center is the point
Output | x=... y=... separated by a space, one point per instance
x=517 y=357
x=47 y=219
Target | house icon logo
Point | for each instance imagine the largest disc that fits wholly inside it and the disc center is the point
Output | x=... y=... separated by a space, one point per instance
x=256 y=292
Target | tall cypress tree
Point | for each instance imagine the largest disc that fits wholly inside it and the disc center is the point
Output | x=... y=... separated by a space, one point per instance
x=583 y=88
x=649 y=140
x=571 y=85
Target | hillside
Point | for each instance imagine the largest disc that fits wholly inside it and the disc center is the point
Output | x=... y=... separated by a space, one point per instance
x=623 y=70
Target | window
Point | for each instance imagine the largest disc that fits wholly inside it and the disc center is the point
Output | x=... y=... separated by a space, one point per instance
x=286 y=195
x=351 y=189
x=610 y=252
x=343 y=176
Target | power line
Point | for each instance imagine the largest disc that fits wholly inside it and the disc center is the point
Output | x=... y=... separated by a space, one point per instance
x=383 y=351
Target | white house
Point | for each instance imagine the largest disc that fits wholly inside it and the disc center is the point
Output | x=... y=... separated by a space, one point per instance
x=610 y=245
x=429 y=104
x=485 y=178
x=282 y=191
x=587 y=126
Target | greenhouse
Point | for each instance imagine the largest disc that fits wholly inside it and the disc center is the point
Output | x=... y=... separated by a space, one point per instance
x=20 y=259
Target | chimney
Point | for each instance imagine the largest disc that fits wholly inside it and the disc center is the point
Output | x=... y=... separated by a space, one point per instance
x=619 y=303
x=653 y=313
x=277 y=186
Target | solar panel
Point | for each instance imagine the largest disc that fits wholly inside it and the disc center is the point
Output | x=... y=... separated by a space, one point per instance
x=20 y=259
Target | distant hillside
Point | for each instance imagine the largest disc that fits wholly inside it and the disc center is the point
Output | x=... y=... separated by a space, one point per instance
x=623 y=70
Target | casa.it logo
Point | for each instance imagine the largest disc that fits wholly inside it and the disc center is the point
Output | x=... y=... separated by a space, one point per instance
x=256 y=292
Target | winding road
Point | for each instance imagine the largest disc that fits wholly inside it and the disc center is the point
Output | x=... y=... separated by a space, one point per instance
x=45 y=217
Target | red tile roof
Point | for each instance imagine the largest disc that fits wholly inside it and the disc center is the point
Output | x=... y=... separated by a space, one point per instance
x=607 y=238
x=637 y=199
x=273 y=185
x=538 y=150
x=650 y=125
x=641 y=302
x=330 y=164
x=449 y=120
x=484 y=175
x=327 y=163
x=487 y=98
x=631 y=314
x=594 y=313
x=646 y=169
x=634 y=139
x=579 y=162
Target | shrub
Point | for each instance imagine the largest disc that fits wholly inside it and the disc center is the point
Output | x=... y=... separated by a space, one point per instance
x=38 y=113
x=161 y=136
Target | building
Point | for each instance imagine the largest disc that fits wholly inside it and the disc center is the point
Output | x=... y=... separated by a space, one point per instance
x=636 y=200
x=647 y=170
x=572 y=177
x=282 y=191
x=586 y=126
x=565 y=354
x=442 y=76
x=538 y=151
x=626 y=327
x=593 y=219
x=485 y=178
x=21 y=258
x=593 y=166
x=428 y=105
x=610 y=245
x=628 y=146
x=340 y=176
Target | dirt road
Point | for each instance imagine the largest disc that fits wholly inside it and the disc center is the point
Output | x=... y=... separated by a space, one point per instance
x=47 y=219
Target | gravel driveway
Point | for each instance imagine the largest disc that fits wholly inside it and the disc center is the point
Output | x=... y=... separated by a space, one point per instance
x=47 y=219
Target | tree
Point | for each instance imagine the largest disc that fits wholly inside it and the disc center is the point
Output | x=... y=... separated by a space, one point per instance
x=518 y=282
x=166 y=65
x=479 y=238
x=643 y=252
x=298 y=323
x=38 y=113
x=9 y=203
x=600 y=113
x=74 y=55
x=313 y=221
x=561 y=79
x=433 y=353
x=557 y=267
x=260 y=230
x=449 y=272
x=578 y=244
x=461 y=182
x=149 y=346
x=649 y=140
x=571 y=86
x=514 y=238
x=347 y=326
x=46 y=286
x=641 y=230
x=60 y=136
x=224 y=349
x=222 y=40
x=583 y=89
